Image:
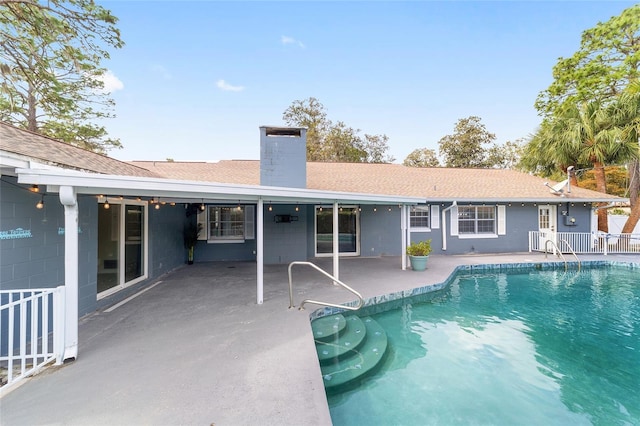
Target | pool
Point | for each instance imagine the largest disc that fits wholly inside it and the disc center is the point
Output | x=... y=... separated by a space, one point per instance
x=504 y=348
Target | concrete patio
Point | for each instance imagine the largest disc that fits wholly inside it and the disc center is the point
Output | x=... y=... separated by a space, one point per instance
x=196 y=348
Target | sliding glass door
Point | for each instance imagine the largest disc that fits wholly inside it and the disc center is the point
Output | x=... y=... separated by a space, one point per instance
x=122 y=242
x=348 y=230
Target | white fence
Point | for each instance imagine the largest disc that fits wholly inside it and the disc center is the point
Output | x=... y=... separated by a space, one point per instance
x=31 y=332
x=586 y=242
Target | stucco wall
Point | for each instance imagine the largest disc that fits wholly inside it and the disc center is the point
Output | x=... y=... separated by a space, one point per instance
x=31 y=248
x=166 y=248
x=380 y=231
x=519 y=221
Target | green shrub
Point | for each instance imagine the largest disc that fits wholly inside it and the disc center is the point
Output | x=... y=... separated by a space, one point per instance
x=420 y=248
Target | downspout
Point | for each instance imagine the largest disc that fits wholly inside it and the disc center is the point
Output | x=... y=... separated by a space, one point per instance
x=68 y=199
x=444 y=225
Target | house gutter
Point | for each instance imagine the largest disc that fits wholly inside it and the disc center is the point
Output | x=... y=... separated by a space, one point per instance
x=444 y=224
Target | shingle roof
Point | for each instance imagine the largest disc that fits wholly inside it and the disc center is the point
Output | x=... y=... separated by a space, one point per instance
x=53 y=152
x=388 y=179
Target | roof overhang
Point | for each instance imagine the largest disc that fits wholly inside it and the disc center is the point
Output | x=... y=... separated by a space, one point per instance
x=192 y=191
x=543 y=200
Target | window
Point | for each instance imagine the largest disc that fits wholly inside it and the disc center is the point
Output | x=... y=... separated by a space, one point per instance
x=230 y=223
x=476 y=219
x=226 y=223
x=419 y=217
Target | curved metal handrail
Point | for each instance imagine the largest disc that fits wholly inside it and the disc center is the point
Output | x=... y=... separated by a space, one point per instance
x=335 y=280
x=559 y=252
x=572 y=252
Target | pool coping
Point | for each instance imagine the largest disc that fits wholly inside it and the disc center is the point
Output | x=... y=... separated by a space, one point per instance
x=488 y=267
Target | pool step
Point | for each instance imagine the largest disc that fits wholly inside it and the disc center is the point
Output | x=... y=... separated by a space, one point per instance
x=350 y=353
x=350 y=337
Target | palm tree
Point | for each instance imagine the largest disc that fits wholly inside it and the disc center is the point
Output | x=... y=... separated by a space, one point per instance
x=583 y=135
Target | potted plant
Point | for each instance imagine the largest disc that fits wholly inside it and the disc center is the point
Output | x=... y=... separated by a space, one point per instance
x=419 y=254
x=191 y=233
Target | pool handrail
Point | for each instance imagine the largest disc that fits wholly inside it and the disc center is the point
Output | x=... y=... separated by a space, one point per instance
x=316 y=302
x=559 y=252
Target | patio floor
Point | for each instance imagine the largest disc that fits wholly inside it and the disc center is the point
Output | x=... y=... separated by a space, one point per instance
x=197 y=349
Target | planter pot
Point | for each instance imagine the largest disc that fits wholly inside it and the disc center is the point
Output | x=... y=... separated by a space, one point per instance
x=418 y=263
x=189 y=262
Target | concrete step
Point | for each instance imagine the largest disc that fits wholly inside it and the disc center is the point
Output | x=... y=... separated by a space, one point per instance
x=350 y=338
x=354 y=364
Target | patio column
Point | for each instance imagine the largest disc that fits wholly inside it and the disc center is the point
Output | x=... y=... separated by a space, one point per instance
x=260 y=253
x=404 y=230
x=336 y=243
x=69 y=201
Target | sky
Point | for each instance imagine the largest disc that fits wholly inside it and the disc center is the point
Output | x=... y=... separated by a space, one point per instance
x=196 y=79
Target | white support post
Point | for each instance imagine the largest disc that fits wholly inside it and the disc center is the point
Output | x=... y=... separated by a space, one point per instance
x=260 y=252
x=69 y=201
x=336 y=242
x=403 y=226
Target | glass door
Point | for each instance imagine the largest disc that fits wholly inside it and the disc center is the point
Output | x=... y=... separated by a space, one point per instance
x=348 y=229
x=122 y=240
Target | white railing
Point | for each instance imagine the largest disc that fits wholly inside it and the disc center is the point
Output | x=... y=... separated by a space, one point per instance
x=586 y=242
x=31 y=332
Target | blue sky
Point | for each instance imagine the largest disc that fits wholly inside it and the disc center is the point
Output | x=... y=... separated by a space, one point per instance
x=196 y=79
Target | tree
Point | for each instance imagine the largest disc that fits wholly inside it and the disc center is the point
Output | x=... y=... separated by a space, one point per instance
x=506 y=156
x=466 y=147
x=423 y=157
x=331 y=142
x=376 y=147
x=607 y=60
x=309 y=113
x=617 y=180
x=589 y=131
x=546 y=155
x=50 y=60
x=626 y=113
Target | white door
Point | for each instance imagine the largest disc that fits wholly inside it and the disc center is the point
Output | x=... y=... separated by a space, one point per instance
x=547 y=225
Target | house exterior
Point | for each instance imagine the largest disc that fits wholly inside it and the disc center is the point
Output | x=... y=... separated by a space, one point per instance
x=103 y=228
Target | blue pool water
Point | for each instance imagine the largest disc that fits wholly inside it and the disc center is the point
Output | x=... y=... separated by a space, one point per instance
x=533 y=348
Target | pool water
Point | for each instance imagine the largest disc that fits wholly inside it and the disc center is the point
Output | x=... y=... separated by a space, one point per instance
x=534 y=348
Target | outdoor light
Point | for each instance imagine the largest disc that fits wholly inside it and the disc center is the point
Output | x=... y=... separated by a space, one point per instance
x=270 y=208
x=157 y=206
x=34 y=188
x=297 y=208
x=375 y=209
x=40 y=204
x=106 y=204
x=202 y=206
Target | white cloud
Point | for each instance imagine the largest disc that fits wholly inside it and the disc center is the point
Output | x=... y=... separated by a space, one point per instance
x=223 y=85
x=291 y=40
x=111 y=82
x=161 y=71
